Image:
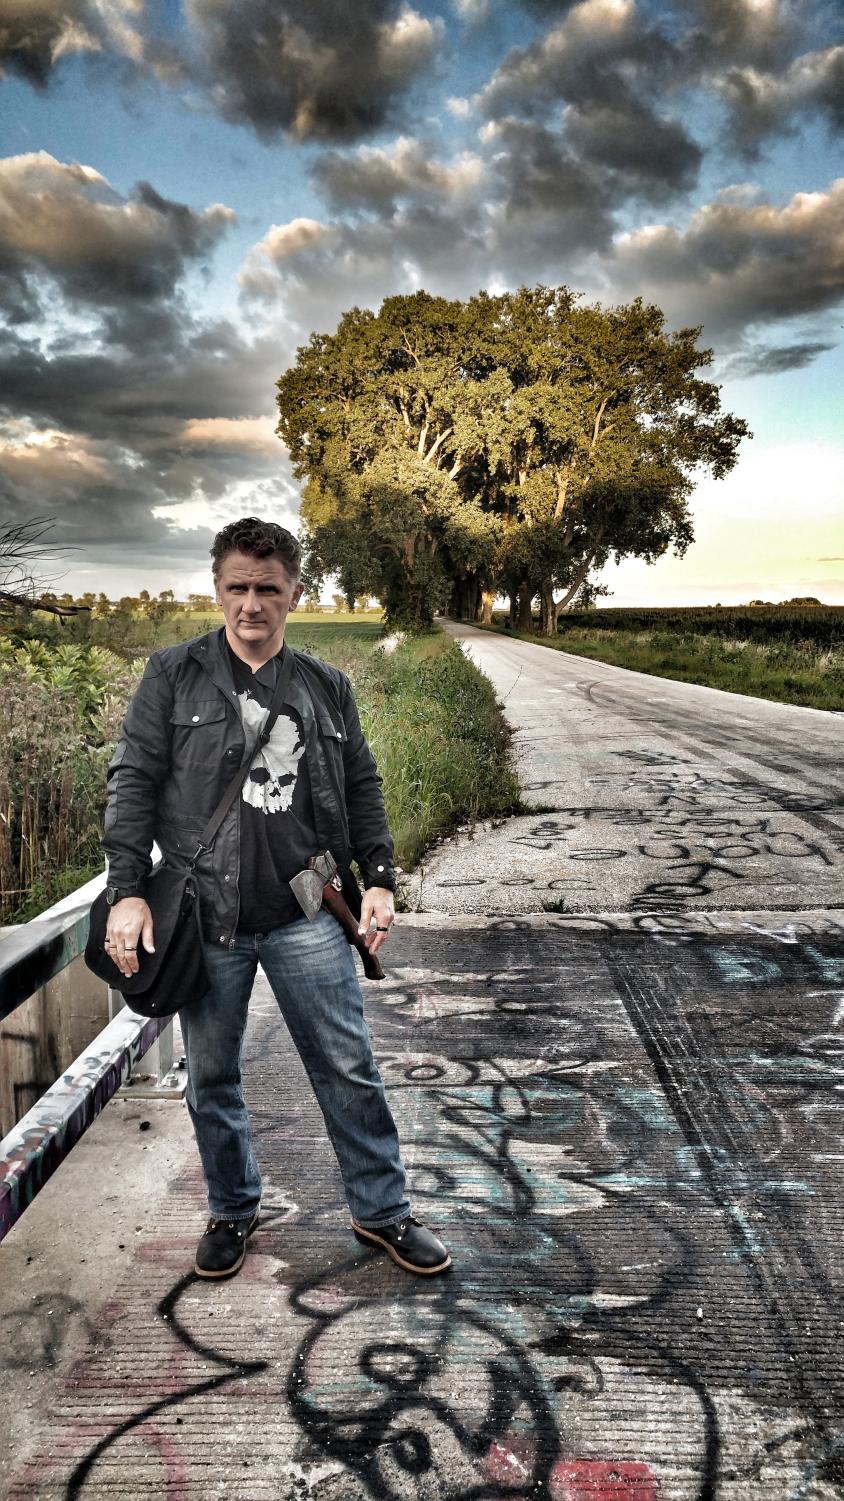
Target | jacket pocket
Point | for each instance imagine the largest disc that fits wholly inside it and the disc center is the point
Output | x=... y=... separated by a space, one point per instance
x=332 y=729
x=198 y=712
x=200 y=733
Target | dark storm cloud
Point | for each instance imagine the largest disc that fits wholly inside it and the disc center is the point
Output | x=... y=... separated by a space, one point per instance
x=37 y=35
x=596 y=53
x=64 y=222
x=144 y=403
x=775 y=360
x=761 y=104
x=651 y=157
x=548 y=206
x=741 y=262
x=322 y=71
x=605 y=63
x=106 y=437
x=744 y=32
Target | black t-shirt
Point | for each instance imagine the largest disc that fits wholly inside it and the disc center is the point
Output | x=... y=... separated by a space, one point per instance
x=277 y=834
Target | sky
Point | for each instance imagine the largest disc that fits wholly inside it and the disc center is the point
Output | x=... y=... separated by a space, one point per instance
x=189 y=190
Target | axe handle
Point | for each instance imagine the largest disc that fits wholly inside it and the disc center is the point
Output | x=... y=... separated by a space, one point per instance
x=336 y=904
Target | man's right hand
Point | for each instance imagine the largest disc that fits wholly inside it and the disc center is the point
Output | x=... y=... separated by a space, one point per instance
x=129 y=922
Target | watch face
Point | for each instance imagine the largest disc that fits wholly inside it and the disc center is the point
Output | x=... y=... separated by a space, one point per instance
x=112 y=894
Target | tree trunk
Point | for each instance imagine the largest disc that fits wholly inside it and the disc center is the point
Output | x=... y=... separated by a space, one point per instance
x=548 y=615
x=514 y=608
x=524 y=620
x=487 y=602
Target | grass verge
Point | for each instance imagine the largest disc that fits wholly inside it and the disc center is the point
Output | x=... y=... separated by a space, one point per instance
x=786 y=672
x=436 y=731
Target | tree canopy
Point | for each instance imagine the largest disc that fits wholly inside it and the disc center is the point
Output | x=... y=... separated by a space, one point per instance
x=511 y=443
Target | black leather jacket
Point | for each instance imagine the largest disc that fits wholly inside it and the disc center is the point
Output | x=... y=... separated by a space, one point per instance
x=180 y=745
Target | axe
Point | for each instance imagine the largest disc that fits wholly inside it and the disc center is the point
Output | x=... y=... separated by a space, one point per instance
x=320 y=886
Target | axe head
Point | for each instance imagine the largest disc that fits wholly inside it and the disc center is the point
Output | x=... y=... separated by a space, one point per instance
x=308 y=885
x=307 y=889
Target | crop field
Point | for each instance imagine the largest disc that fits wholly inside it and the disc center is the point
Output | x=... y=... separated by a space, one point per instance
x=821 y=624
x=791 y=655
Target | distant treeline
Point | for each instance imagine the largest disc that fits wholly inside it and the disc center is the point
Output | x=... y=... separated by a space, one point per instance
x=822 y=625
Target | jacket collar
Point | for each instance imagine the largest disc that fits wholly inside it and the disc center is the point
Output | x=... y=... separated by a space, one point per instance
x=212 y=655
x=210 y=652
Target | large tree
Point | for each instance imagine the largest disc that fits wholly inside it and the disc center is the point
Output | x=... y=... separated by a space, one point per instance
x=606 y=425
x=514 y=442
x=379 y=421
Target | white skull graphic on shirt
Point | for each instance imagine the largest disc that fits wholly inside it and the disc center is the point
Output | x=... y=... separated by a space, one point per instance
x=272 y=775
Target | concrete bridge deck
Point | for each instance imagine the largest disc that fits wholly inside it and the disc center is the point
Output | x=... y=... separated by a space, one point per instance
x=628 y=1126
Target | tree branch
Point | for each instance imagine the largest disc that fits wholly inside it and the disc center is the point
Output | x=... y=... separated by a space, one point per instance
x=596 y=429
x=435 y=445
x=560 y=605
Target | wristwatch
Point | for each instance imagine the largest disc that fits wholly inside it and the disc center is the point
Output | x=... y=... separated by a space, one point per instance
x=115 y=894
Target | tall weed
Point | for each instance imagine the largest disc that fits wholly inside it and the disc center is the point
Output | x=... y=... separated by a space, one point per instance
x=432 y=721
x=59 y=716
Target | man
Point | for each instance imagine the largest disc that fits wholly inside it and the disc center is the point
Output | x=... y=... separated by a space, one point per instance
x=313 y=786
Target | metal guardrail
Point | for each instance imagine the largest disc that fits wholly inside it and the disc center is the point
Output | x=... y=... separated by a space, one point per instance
x=40 y=1141
x=43 y=947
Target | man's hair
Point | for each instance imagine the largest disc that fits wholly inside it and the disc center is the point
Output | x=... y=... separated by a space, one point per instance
x=263 y=539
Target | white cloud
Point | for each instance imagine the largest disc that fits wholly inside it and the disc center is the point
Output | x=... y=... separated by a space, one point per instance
x=239 y=433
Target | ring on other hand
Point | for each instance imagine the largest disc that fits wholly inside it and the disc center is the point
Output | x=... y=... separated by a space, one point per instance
x=381 y=930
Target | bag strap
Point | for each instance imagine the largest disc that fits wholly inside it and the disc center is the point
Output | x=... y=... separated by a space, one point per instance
x=283 y=675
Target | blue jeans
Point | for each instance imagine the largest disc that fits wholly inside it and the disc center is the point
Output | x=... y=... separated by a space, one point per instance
x=312 y=974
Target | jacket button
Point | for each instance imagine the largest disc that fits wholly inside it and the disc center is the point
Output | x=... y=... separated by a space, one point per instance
x=339 y=735
x=222 y=937
x=380 y=867
x=195 y=719
x=226 y=878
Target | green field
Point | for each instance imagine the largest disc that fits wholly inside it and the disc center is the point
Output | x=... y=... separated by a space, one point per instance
x=790 y=656
x=134 y=635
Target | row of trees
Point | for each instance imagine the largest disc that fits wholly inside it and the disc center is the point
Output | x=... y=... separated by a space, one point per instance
x=164 y=605
x=152 y=607
x=511 y=444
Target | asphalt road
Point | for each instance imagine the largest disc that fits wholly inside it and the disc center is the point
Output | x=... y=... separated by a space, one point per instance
x=650 y=796
x=624 y=1115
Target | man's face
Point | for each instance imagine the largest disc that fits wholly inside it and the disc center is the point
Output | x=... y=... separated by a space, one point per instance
x=255 y=595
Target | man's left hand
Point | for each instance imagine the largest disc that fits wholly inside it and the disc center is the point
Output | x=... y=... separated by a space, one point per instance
x=377 y=915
